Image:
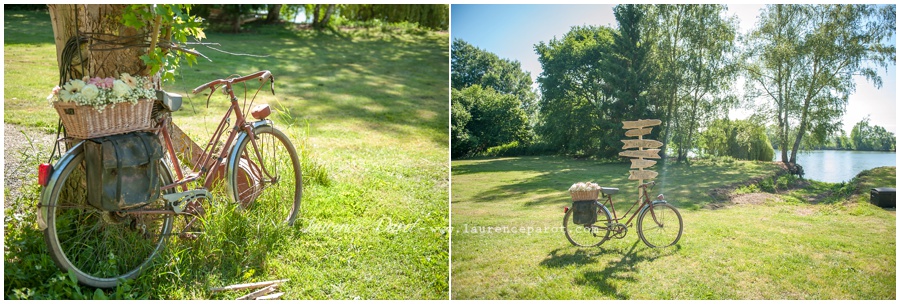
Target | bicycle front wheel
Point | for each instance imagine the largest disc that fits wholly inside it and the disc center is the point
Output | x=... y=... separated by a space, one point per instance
x=265 y=177
x=659 y=225
x=587 y=235
x=100 y=247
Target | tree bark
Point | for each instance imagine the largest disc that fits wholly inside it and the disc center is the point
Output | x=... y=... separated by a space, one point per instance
x=274 y=14
x=316 y=24
x=327 y=17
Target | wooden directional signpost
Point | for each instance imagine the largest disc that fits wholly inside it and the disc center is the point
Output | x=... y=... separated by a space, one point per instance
x=638 y=129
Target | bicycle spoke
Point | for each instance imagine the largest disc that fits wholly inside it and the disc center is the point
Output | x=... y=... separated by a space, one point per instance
x=268 y=183
x=660 y=225
x=99 y=246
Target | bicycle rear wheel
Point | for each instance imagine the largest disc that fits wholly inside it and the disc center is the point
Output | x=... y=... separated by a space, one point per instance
x=265 y=177
x=663 y=226
x=587 y=235
x=100 y=247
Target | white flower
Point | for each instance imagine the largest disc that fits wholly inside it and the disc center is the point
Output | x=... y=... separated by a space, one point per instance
x=120 y=88
x=112 y=92
x=65 y=95
x=90 y=92
x=129 y=80
x=584 y=187
x=577 y=187
x=74 y=86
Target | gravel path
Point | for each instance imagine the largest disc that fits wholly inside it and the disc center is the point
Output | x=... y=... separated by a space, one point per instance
x=24 y=149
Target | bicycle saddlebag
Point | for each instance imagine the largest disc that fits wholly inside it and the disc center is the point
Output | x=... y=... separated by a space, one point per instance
x=584 y=212
x=122 y=171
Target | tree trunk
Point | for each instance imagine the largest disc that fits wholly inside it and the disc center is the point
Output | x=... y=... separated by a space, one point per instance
x=316 y=24
x=236 y=23
x=327 y=17
x=274 y=15
x=109 y=48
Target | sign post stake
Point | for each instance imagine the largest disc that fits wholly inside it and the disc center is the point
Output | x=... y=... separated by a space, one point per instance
x=639 y=128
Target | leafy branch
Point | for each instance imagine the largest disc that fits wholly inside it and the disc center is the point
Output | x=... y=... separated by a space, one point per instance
x=170 y=26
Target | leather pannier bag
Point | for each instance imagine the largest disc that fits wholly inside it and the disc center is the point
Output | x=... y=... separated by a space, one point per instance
x=584 y=212
x=122 y=171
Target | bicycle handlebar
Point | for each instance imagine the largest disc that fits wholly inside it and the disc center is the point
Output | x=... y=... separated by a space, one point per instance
x=262 y=75
x=650 y=184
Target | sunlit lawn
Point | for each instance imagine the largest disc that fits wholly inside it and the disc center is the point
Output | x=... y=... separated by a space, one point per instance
x=368 y=106
x=508 y=242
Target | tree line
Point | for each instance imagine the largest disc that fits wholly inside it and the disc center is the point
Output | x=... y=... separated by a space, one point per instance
x=863 y=137
x=680 y=64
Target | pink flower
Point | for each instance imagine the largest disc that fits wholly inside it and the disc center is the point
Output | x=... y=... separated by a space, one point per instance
x=105 y=83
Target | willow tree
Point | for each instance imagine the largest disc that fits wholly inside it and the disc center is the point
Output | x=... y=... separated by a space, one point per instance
x=802 y=60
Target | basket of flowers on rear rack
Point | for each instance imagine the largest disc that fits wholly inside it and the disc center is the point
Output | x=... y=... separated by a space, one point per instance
x=95 y=107
x=584 y=202
x=582 y=191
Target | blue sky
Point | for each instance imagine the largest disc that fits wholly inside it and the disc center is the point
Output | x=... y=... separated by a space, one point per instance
x=512 y=30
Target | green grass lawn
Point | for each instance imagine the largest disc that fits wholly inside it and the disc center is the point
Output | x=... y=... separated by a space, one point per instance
x=508 y=241
x=368 y=107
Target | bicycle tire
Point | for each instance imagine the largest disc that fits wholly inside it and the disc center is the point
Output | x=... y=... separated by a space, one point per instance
x=250 y=184
x=100 y=247
x=658 y=232
x=585 y=236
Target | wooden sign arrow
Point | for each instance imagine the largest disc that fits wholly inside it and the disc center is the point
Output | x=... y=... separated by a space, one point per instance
x=638 y=132
x=651 y=153
x=642 y=174
x=640 y=123
x=641 y=143
x=641 y=163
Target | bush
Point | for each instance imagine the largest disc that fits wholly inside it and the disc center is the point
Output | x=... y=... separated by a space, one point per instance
x=767 y=185
x=752 y=188
x=483 y=118
x=510 y=149
x=785 y=181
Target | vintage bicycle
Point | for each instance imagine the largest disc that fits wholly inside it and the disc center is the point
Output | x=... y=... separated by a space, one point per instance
x=658 y=222
x=102 y=245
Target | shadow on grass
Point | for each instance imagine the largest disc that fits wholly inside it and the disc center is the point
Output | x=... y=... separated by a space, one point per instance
x=615 y=270
x=27 y=27
x=686 y=186
x=392 y=85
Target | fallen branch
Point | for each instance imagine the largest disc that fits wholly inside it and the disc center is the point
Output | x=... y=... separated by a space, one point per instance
x=257 y=293
x=247 y=285
x=271 y=296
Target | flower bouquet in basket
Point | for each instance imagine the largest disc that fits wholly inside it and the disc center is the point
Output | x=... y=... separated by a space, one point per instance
x=94 y=107
x=582 y=191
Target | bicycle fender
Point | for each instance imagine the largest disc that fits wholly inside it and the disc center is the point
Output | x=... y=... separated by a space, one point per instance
x=46 y=192
x=233 y=155
x=657 y=202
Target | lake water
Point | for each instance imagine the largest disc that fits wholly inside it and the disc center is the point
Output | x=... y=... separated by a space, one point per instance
x=840 y=166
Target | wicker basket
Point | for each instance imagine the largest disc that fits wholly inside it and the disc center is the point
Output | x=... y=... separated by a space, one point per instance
x=86 y=122
x=585 y=195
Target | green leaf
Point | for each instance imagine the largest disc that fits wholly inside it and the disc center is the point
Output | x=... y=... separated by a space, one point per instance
x=131 y=20
x=99 y=295
x=72 y=277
